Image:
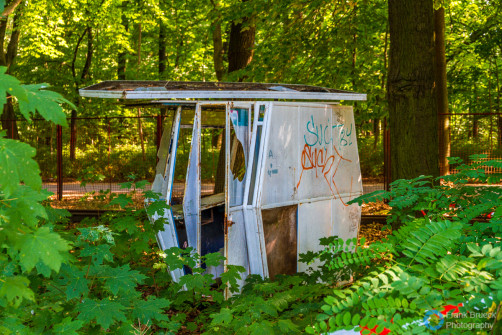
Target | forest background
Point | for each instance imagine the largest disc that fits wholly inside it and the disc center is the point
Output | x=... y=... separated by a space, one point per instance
x=339 y=44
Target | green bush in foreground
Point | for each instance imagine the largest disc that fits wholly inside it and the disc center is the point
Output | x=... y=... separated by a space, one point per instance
x=440 y=258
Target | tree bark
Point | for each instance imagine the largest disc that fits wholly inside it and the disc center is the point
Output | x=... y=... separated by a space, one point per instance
x=162 y=49
x=241 y=44
x=497 y=108
x=442 y=92
x=7 y=58
x=121 y=58
x=219 y=51
x=77 y=81
x=411 y=91
x=10 y=8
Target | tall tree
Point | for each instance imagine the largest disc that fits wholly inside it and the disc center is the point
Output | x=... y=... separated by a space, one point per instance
x=241 y=44
x=442 y=91
x=8 y=53
x=411 y=91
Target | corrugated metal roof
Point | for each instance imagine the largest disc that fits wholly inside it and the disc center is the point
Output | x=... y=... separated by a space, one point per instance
x=213 y=90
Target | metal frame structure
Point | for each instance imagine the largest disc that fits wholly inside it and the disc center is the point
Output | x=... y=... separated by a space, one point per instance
x=301 y=168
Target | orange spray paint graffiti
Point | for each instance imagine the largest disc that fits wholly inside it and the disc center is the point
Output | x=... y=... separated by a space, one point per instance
x=325 y=165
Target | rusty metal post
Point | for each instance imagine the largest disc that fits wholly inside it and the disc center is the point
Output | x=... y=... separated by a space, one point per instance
x=159 y=133
x=60 y=162
x=386 y=154
x=109 y=152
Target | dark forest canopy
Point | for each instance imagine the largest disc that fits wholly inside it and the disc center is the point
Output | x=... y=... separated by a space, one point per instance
x=341 y=44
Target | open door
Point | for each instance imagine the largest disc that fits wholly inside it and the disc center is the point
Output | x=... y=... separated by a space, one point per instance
x=163 y=184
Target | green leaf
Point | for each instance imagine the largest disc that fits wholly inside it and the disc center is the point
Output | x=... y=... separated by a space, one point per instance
x=287 y=326
x=105 y=312
x=15 y=289
x=46 y=103
x=68 y=326
x=150 y=309
x=10 y=85
x=42 y=246
x=213 y=259
x=98 y=253
x=75 y=281
x=224 y=316
x=123 y=200
x=123 y=279
x=16 y=160
x=25 y=207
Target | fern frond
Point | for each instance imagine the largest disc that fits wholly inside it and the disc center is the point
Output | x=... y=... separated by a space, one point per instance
x=452 y=267
x=431 y=241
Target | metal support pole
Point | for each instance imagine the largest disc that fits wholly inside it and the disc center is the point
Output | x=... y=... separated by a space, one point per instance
x=60 y=162
x=159 y=132
x=386 y=154
x=109 y=151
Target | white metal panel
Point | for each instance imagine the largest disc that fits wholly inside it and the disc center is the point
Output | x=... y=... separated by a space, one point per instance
x=165 y=172
x=258 y=95
x=279 y=170
x=346 y=219
x=235 y=243
x=347 y=180
x=314 y=221
x=257 y=255
x=163 y=185
x=316 y=160
x=168 y=238
x=191 y=199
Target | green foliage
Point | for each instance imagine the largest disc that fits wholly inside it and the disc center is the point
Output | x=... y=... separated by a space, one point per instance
x=437 y=258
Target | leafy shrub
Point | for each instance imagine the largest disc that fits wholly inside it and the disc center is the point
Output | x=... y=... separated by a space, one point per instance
x=442 y=257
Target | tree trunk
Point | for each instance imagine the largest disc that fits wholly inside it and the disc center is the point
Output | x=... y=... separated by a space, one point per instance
x=7 y=58
x=241 y=45
x=376 y=132
x=9 y=120
x=411 y=91
x=442 y=92
x=77 y=81
x=121 y=59
x=219 y=51
x=497 y=108
x=162 y=49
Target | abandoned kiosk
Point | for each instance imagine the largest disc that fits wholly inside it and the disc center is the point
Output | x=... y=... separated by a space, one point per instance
x=288 y=166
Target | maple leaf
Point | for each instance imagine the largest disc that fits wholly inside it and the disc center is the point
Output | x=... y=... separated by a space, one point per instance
x=123 y=279
x=16 y=160
x=97 y=253
x=42 y=246
x=68 y=326
x=46 y=103
x=15 y=289
x=105 y=312
x=148 y=310
x=25 y=207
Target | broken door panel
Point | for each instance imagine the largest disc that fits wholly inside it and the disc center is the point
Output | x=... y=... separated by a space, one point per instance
x=192 y=197
x=280 y=234
x=238 y=155
x=165 y=167
x=257 y=255
x=163 y=185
